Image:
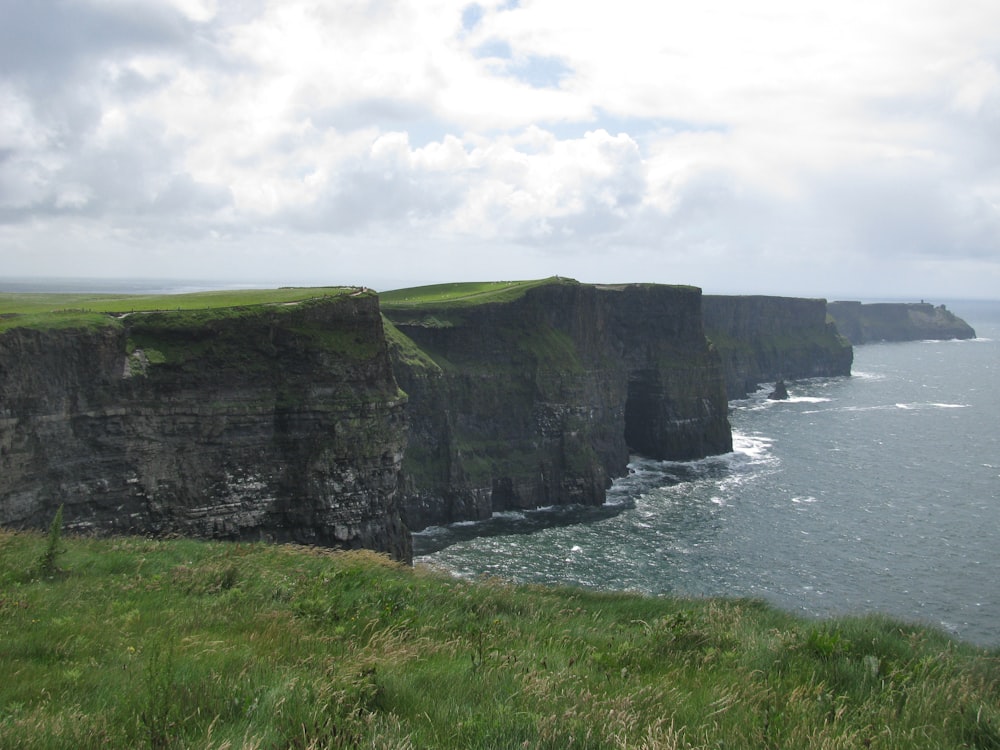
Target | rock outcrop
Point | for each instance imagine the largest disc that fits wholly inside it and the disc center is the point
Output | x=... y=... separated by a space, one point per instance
x=537 y=400
x=897 y=321
x=267 y=422
x=762 y=339
x=779 y=392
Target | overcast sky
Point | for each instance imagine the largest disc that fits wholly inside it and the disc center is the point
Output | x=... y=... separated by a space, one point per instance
x=836 y=149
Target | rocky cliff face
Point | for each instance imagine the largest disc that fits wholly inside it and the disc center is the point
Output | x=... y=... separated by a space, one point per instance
x=903 y=321
x=273 y=422
x=538 y=401
x=762 y=339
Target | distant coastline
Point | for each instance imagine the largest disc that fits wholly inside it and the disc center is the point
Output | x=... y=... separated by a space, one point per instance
x=55 y=285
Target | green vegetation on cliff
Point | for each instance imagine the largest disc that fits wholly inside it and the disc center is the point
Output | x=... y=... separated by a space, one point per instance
x=62 y=310
x=167 y=644
x=404 y=350
x=463 y=294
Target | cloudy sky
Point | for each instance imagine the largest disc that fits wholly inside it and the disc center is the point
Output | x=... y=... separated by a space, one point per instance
x=838 y=149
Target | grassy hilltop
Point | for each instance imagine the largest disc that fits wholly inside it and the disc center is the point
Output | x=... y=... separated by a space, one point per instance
x=66 y=310
x=463 y=293
x=468 y=293
x=131 y=642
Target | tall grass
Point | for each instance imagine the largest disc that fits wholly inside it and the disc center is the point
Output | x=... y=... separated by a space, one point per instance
x=169 y=644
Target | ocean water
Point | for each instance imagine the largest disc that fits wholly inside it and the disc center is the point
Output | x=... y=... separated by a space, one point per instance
x=878 y=492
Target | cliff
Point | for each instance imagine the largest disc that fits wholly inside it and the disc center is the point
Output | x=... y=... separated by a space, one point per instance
x=534 y=394
x=280 y=422
x=762 y=339
x=284 y=420
x=897 y=321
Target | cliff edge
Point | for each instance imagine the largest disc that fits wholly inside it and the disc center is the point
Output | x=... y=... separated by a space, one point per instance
x=898 y=321
x=273 y=421
x=530 y=394
x=347 y=419
x=763 y=339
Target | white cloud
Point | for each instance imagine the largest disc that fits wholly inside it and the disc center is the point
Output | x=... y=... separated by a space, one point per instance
x=569 y=138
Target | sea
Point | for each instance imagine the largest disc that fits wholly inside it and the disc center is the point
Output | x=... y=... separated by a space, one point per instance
x=874 y=492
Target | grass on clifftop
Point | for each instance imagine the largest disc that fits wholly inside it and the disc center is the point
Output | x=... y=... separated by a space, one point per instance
x=59 y=310
x=464 y=293
x=132 y=643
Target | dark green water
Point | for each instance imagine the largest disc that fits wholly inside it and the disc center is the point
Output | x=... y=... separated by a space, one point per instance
x=875 y=492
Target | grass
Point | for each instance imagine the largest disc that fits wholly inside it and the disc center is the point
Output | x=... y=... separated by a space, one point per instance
x=463 y=294
x=162 y=644
x=406 y=351
x=43 y=310
x=185 y=329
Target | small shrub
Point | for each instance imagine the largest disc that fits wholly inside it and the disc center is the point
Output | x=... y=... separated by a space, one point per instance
x=47 y=567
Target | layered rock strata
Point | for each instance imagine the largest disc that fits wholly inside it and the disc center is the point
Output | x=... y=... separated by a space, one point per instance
x=762 y=339
x=272 y=422
x=538 y=400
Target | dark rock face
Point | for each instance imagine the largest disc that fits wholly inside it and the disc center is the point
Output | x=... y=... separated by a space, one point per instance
x=903 y=321
x=780 y=392
x=538 y=401
x=282 y=423
x=763 y=339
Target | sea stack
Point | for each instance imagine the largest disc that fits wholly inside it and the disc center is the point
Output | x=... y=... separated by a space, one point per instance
x=780 y=392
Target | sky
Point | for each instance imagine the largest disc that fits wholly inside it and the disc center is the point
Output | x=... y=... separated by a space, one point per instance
x=791 y=147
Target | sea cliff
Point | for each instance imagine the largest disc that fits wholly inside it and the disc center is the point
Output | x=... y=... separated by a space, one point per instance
x=534 y=395
x=279 y=422
x=897 y=321
x=762 y=339
x=312 y=418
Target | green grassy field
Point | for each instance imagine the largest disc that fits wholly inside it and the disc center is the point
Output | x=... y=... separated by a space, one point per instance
x=130 y=643
x=90 y=310
x=464 y=293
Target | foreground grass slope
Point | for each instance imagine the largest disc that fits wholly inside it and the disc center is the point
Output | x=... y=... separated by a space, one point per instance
x=132 y=642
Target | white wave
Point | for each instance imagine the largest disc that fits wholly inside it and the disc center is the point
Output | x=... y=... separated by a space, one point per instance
x=759 y=405
x=806 y=499
x=868 y=375
x=754 y=446
x=950 y=627
x=515 y=515
x=429 y=531
x=617 y=497
x=930 y=404
x=806 y=400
